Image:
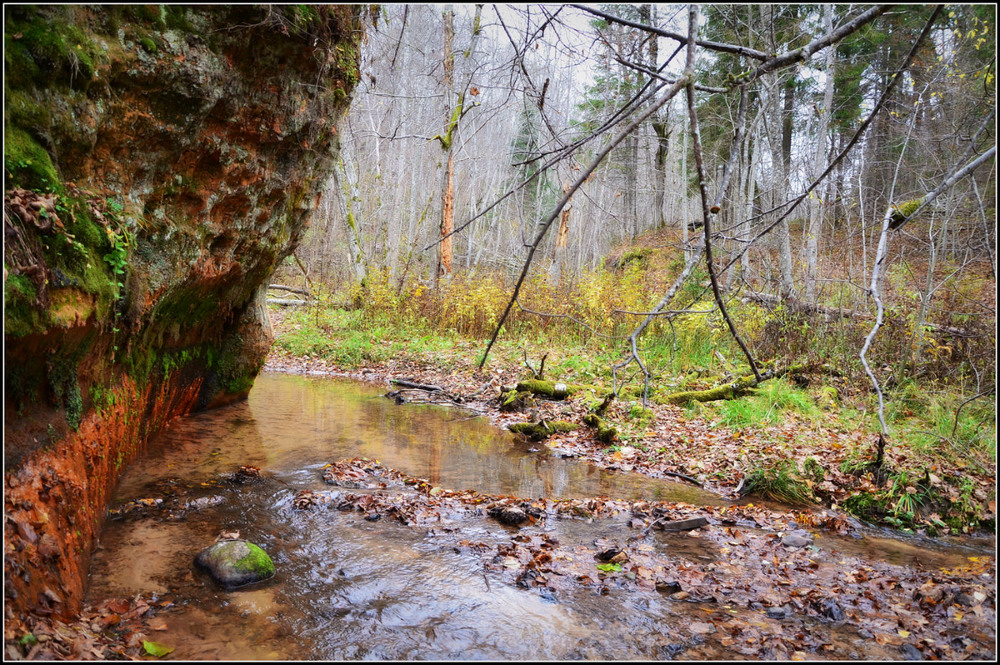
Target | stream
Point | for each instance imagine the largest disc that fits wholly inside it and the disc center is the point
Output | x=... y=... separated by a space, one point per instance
x=349 y=588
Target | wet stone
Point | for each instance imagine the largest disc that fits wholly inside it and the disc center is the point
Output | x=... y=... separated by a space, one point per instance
x=778 y=612
x=911 y=652
x=830 y=609
x=236 y=563
x=796 y=539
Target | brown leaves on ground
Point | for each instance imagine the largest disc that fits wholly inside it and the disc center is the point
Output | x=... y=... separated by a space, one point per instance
x=112 y=630
x=762 y=596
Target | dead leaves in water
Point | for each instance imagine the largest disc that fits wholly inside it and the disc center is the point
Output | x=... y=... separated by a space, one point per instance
x=736 y=559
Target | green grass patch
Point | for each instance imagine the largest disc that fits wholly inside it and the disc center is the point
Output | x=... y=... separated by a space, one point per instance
x=769 y=405
x=779 y=482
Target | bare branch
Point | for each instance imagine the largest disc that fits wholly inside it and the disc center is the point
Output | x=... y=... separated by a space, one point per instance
x=713 y=46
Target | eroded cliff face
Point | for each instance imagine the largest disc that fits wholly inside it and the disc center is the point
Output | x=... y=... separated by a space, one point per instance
x=159 y=162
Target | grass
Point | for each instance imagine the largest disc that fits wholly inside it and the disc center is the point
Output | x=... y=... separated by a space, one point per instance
x=780 y=482
x=768 y=405
x=352 y=338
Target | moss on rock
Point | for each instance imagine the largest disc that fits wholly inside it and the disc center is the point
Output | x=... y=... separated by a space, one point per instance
x=236 y=563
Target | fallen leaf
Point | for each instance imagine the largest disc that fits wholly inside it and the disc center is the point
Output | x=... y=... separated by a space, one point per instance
x=156 y=649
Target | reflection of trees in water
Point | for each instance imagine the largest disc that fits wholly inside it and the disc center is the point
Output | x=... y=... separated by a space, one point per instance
x=304 y=420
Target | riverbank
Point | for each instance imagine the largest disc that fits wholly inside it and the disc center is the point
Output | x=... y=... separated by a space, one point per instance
x=793 y=445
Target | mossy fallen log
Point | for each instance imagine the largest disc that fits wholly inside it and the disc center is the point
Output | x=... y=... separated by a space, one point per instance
x=741 y=386
x=542 y=429
x=744 y=385
x=550 y=389
x=605 y=432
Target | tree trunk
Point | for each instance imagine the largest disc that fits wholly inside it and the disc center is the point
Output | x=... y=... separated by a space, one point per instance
x=449 y=133
x=447 y=219
x=819 y=161
x=355 y=251
x=563 y=234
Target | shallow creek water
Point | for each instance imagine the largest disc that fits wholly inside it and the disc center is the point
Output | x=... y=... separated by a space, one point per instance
x=347 y=588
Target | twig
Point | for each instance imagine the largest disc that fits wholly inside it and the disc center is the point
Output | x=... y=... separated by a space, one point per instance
x=954 y=427
x=682 y=477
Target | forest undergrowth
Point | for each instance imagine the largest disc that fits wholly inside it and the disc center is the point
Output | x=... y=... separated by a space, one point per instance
x=807 y=438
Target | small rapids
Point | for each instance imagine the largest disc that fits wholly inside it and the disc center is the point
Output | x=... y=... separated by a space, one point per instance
x=349 y=588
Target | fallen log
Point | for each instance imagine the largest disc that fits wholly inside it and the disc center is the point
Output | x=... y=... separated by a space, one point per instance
x=287 y=302
x=290 y=289
x=542 y=429
x=550 y=389
x=677 y=525
x=417 y=386
x=745 y=384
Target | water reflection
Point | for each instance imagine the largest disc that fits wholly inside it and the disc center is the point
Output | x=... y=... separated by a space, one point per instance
x=347 y=588
x=292 y=424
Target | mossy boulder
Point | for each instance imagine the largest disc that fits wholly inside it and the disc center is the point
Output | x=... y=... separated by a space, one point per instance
x=236 y=563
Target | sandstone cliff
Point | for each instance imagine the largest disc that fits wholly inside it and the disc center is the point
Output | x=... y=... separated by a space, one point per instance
x=159 y=162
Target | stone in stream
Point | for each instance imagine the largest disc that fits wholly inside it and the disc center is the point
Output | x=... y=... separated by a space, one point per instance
x=796 y=539
x=236 y=563
x=683 y=525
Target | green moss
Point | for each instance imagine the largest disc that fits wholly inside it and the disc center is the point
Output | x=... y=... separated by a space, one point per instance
x=27 y=163
x=814 y=469
x=514 y=400
x=542 y=430
x=256 y=562
x=637 y=256
x=864 y=505
x=21 y=317
x=148 y=44
x=739 y=387
x=903 y=210
x=22 y=110
x=177 y=18
x=185 y=305
x=49 y=49
x=547 y=388
x=63 y=378
x=605 y=432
